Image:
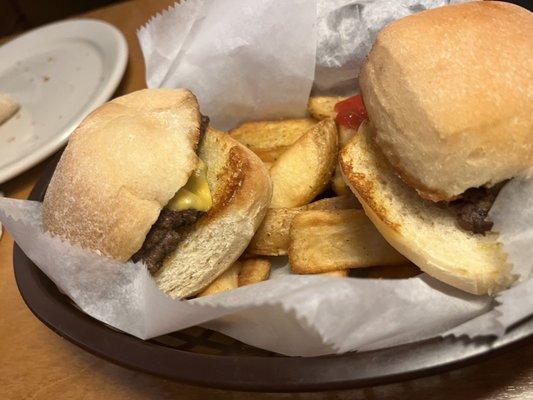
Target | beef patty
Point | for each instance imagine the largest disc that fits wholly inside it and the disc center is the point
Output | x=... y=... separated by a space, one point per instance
x=164 y=236
x=473 y=208
x=168 y=230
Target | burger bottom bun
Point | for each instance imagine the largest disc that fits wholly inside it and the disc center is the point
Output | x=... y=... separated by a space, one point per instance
x=424 y=232
x=241 y=190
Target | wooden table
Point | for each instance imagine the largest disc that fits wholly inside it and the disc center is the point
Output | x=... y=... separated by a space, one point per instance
x=35 y=363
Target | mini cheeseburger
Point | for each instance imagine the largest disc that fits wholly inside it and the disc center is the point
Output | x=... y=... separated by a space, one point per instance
x=144 y=178
x=449 y=95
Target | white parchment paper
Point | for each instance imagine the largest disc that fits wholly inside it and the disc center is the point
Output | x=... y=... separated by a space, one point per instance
x=243 y=59
x=308 y=313
x=288 y=314
x=346 y=30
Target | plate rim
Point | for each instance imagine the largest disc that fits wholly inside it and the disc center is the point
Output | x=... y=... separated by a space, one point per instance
x=245 y=373
x=116 y=73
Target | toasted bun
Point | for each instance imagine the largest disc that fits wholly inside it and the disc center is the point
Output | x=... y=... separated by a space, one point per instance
x=450 y=91
x=242 y=190
x=123 y=163
x=425 y=233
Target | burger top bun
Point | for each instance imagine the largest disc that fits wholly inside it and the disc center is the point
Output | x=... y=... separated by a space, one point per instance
x=450 y=92
x=123 y=163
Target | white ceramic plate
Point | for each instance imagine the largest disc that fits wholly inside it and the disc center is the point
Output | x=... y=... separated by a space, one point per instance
x=58 y=73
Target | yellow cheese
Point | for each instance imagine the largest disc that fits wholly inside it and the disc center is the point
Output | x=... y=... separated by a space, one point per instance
x=195 y=194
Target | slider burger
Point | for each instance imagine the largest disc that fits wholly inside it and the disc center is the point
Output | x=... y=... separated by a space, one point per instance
x=144 y=178
x=449 y=95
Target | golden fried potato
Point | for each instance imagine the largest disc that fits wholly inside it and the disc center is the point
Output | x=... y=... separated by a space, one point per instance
x=228 y=280
x=338 y=185
x=321 y=107
x=342 y=273
x=305 y=169
x=322 y=241
x=272 y=237
x=254 y=270
x=268 y=139
x=347 y=202
x=345 y=135
x=337 y=182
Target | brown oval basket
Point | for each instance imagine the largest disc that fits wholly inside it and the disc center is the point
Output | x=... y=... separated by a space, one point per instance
x=204 y=357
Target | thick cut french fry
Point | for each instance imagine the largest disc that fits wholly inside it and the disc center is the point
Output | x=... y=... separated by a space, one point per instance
x=342 y=273
x=322 y=107
x=304 y=170
x=268 y=139
x=347 y=202
x=228 y=280
x=272 y=237
x=345 y=135
x=322 y=241
x=254 y=270
x=337 y=182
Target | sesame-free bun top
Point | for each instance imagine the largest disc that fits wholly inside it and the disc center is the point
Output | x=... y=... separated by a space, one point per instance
x=450 y=92
x=122 y=165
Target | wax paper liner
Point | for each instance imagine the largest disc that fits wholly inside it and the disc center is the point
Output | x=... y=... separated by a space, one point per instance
x=289 y=314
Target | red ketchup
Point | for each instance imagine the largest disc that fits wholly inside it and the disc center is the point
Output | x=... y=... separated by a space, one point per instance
x=351 y=112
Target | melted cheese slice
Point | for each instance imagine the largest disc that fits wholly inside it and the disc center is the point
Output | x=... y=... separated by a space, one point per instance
x=195 y=194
